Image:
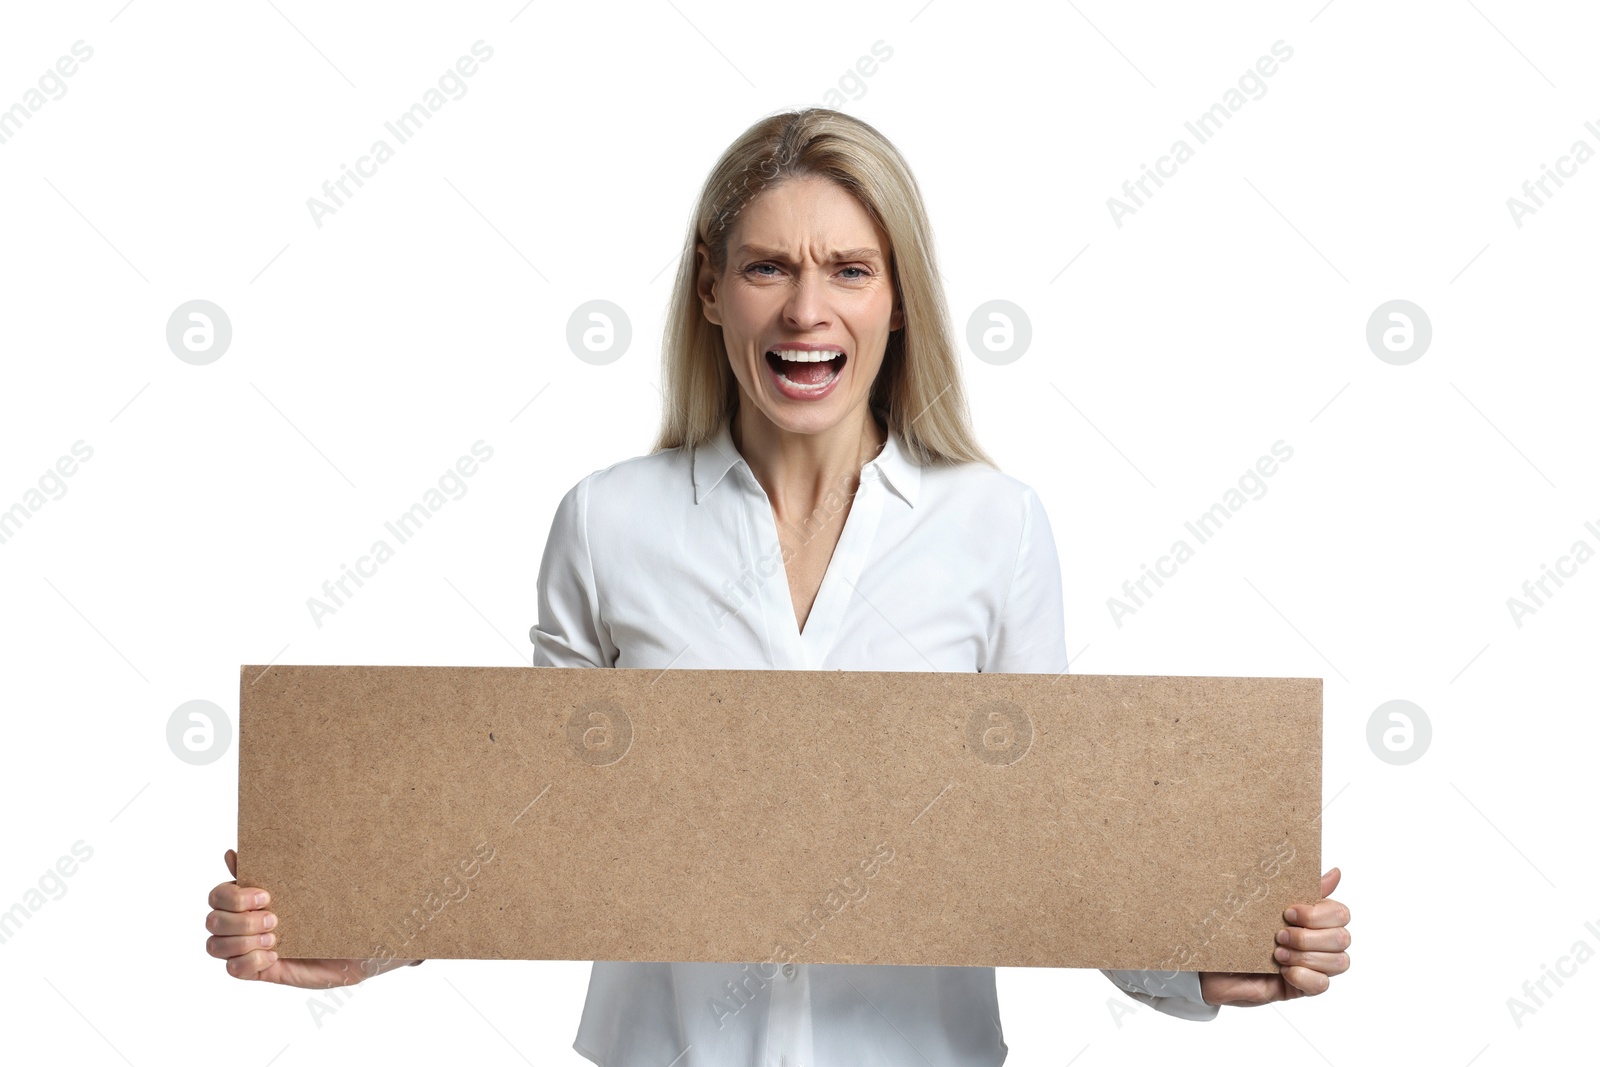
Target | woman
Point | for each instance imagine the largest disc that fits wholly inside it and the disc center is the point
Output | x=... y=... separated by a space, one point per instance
x=815 y=500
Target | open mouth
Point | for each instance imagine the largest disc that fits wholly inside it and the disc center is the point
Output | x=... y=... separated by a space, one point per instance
x=806 y=371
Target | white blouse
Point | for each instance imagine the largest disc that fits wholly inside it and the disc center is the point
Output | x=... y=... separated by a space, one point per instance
x=672 y=560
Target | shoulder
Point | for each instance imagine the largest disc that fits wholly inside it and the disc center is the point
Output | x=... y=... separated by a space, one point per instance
x=973 y=486
x=630 y=487
x=985 y=510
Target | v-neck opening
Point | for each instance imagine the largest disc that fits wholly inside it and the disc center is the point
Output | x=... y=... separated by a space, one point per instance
x=790 y=643
x=800 y=629
x=809 y=644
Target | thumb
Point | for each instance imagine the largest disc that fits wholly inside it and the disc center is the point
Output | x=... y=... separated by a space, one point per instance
x=232 y=860
x=1330 y=881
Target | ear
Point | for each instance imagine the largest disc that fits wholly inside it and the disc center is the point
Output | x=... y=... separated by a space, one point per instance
x=706 y=283
x=897 y=318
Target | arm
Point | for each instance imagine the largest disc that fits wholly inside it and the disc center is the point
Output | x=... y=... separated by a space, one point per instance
x=1030 y=637
x=1172 y=993
x=1030 y=634
x=570 y=632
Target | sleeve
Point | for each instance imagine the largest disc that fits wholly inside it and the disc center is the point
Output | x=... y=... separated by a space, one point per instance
x=570 y=632
x=1175 y=993
x=1031 y=638
x=1030 y=635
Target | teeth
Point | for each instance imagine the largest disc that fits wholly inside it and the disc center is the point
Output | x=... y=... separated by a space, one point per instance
x=795 y=355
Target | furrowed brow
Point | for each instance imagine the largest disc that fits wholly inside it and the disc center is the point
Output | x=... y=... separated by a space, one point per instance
x=869 y=255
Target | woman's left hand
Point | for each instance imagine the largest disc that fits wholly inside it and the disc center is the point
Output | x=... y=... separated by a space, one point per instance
x=1310 y=951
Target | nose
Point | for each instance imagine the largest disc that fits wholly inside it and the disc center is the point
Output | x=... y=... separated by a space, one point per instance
x=807 y=306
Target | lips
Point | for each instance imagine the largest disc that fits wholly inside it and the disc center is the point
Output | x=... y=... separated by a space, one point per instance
x=806 y=369
x=802 y=372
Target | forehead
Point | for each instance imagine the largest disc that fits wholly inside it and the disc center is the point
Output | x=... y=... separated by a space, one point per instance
x=812 y=215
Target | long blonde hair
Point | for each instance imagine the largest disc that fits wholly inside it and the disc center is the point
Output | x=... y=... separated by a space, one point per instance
x=918 y=388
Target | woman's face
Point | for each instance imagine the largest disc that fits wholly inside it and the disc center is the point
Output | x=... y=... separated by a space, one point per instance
x=807 y=267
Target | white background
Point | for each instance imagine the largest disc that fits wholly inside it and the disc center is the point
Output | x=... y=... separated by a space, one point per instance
x=369 y=353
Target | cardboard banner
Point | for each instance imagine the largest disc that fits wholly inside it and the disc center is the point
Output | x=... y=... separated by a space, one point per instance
x=924 y=818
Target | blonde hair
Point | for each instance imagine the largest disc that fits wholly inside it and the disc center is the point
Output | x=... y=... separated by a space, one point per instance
x=918 y=389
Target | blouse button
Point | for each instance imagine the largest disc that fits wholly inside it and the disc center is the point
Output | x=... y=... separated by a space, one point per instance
x=788 y=971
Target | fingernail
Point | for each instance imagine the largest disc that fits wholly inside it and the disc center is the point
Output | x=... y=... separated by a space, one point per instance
x=1283 y=937
x=1292 y=915
x=272 y=957
x=261 y=900
x=1281 y=955
x=267 y=940
x=270 y=921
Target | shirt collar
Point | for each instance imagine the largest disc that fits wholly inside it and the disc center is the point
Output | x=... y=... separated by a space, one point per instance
x=713 y=459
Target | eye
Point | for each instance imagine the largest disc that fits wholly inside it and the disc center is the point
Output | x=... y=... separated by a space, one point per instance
x=755 y=269
x=863 y=272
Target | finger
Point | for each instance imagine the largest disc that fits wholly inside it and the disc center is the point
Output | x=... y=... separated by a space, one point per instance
x=1319 y=916
x=1330 y=881
x=1336 y=939
x=229 y=896
x=231 y=858
x=252 y=963
x=1327 y=962
x=1310 y=982
x=224 y=948
x=230 y=923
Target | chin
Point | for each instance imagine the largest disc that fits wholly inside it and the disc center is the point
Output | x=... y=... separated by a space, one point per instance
x=813 y=419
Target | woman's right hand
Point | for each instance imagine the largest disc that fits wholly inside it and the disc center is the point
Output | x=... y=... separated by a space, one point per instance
x=242 y=933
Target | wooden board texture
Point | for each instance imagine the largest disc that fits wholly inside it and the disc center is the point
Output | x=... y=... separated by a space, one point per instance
x=923 y=818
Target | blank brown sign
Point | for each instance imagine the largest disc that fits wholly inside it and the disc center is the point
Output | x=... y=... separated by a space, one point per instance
x=808 y=816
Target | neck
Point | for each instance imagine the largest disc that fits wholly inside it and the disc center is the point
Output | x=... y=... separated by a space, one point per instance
x=799 y=470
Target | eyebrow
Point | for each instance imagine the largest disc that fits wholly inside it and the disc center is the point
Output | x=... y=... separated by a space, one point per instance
x=839 y=256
